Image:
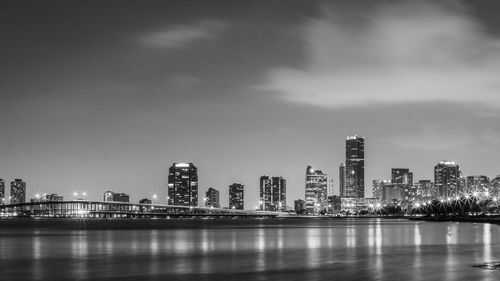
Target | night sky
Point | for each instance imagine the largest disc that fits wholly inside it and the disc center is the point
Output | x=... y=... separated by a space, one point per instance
x=106 y=95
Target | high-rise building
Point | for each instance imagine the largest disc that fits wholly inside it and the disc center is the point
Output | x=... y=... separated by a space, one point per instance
x=402 y=180
x=2 y=192
x=446 y=177
x=110 y=196
x=342 y=180
x=300 y=206
x=382 y=190
x=183 y=185
x=477 y=183
x=272 y=193
x=278 y=194
x=212 y=198
x=236 y=199
x=17 y=191
x=355 y=167
x=426 y=189
x=316 y=190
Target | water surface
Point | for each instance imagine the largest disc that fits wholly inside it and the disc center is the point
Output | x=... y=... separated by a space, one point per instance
x=273 y=249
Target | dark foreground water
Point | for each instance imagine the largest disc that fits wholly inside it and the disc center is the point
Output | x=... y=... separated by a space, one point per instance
x=289 y=249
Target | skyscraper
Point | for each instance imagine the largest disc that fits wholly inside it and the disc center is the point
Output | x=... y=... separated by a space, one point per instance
x=402 y=180
x=2 y=192
x=278 y=194
x=316 y=190
x=236 y=199
x=17 y=191
x=272 y=193
x=355 y=167
x=183 y=185
x=342 y=180
x=212 y=198
x=446 y=176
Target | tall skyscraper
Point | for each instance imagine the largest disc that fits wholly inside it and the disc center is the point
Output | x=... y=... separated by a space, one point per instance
x=236 y=199
x=402 y=180
x=355 y=167
x=446 y=177
x=183 y=185
x=212 y=198
x=278 y=194
x=316 y=189
x=342 y=180
x=265 y=193
x=272 y=193
x=2 y=192
x=17 y=191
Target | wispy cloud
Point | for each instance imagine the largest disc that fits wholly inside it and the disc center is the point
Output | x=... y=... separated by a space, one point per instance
x=406 y=52
x=181 y=35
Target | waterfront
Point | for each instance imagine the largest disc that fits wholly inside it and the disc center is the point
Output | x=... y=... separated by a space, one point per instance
x=251 y=249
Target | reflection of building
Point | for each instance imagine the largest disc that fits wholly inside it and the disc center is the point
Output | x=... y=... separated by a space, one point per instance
x=212 y=198
x=236 y=196
x=110 y=196
x=183 y=185
x=316 y=191
x=446 y=177
x=477 y=183
x=17 y=191
x=300 y=206
x=342 y=180
x=2 y=192
x=355 y=167
x=272 y=193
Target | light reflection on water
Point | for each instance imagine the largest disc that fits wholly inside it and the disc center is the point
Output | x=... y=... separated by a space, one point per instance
x=362 y=249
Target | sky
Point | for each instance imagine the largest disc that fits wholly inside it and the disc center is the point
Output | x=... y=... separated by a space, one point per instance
x=106 y=95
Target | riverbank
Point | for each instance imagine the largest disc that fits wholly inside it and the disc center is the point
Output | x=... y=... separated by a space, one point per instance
x=477 y=219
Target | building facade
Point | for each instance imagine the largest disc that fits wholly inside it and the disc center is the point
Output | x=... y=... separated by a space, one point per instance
x=272 y=193
x=212 y=198
x=236 y=196
x=183 y=185
x=446 y=178
x=300 y=206
x=2 y=192
x=478 y=183
x=17 y=191
x=110 y=196
x=402 y=180
x=355 y=167
x=342 y=180
x=316 y=191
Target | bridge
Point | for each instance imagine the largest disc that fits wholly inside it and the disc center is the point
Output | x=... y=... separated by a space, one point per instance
x=97 y=209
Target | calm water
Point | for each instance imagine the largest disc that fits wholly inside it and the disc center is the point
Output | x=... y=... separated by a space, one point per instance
x=293 y=249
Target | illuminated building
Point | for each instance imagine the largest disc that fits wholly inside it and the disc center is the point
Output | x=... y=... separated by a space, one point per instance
x=342 y=180
x=17 y=191
x=355 y=167
x=446 y=177
x=402 y=180
x=426 y=189
x=316 y=190
x=383 y=190
x=300 y=206
x=272 y=193
x=212 y=198
x=478 y=183
x=495 y=185
x=236 y=199
x=110 y=196
x=183 y=185
x=2 y=192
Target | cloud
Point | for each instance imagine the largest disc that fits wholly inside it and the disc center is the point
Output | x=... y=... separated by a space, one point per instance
x=406 y=52
x=182 y=35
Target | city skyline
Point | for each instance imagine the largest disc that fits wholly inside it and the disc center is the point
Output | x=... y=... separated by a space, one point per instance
x=95 y=101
